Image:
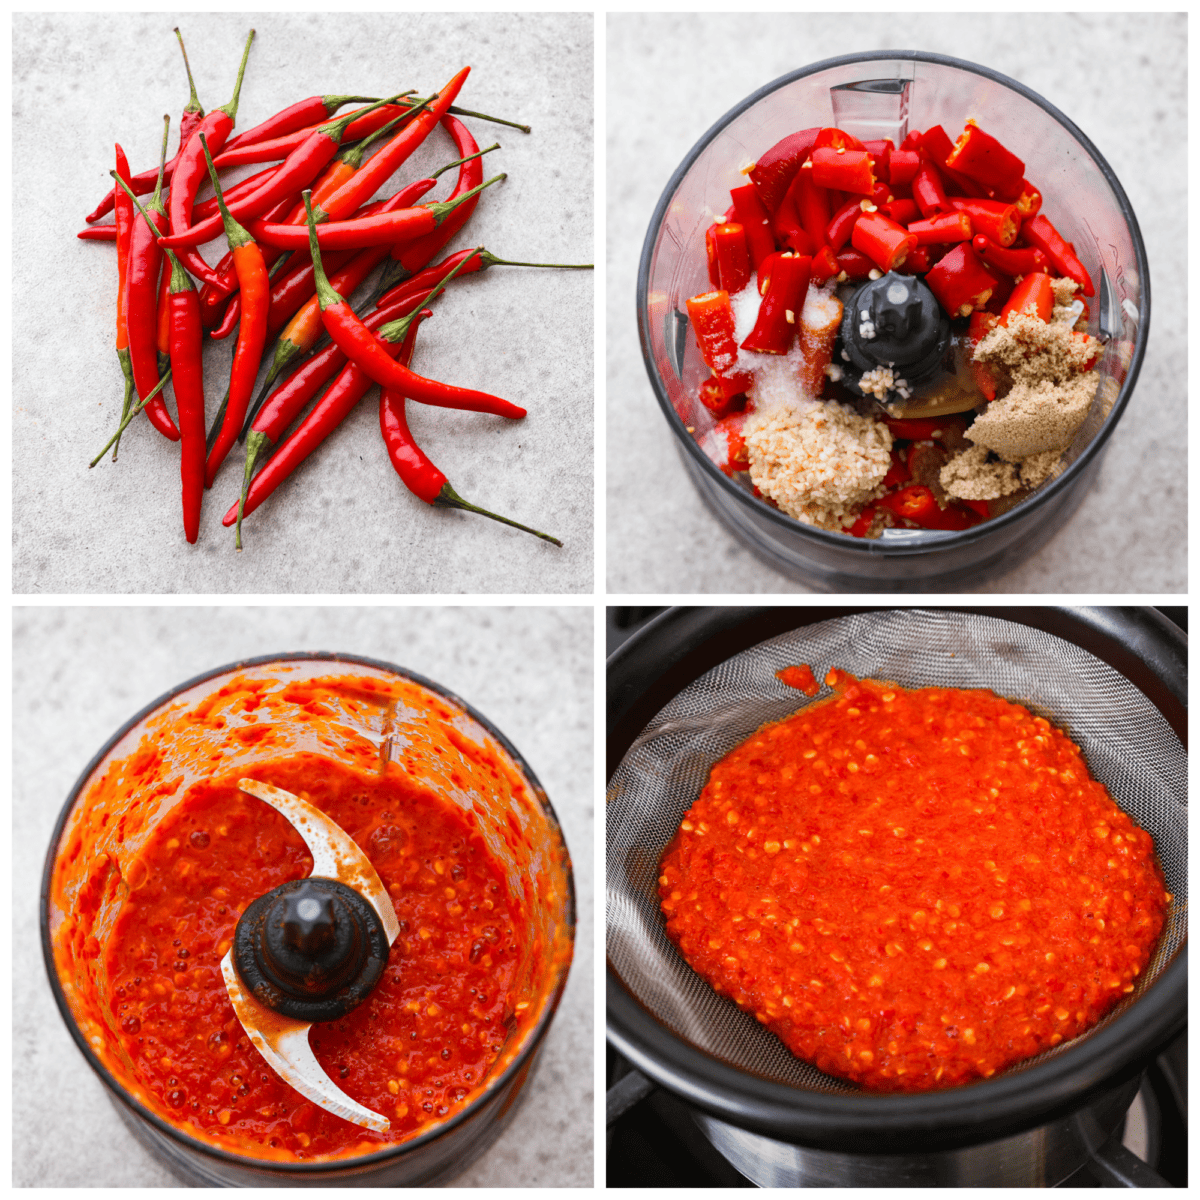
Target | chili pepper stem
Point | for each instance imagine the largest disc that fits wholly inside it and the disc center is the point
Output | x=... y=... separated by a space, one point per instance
x=231 y=108
x=443 y=209
x=193 y=105
x=458 y=162
x=394 y=331
x=255 y=441
x=449 y=498
x=127 y=371
x=133 y=412
x=466 y=112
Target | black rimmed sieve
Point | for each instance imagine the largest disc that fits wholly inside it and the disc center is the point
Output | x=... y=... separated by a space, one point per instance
x=1126 y=742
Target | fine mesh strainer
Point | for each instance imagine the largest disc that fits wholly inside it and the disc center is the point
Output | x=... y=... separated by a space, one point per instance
x=1127 y=742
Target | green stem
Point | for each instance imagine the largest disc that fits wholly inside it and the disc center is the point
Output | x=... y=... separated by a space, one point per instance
x=235 y=234
x=193 y=105
x=230 y=109
x=466 y=112
x=326 y=296
x=156 y=202
x=443 y=209
x=254 y=443
x=493 y=261
x=458 y=162
x=133 y=412
x=449 y=498
x=394 y=331
x=127 y=371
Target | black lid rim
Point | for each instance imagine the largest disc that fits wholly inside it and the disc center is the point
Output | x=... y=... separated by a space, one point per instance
x=946 y=541
x=358 y=1165
x=858 y=1122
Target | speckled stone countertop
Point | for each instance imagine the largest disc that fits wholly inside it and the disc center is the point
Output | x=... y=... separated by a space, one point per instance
x=344 y=522
x=80 y=673
x=1121 y=78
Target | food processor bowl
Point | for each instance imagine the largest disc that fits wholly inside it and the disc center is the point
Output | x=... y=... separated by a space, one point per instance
x=357 y=712
x=875 y=96
x=694 y=683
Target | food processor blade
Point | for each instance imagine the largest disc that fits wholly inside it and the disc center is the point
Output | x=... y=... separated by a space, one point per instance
x=282 y=1040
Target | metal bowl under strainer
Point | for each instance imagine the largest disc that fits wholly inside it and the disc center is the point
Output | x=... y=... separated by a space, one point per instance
x=696 y=683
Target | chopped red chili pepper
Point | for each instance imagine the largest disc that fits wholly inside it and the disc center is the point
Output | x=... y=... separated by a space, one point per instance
x=881 y=151
x=837 y=234
x=982 y=158
x=722 y=396
x=712 y=320
x=1015 y=261
x=847 y=170
x=993 y=218
x=913 y=503
x=710 y=249
x=903 y=166
x=1033 y=296
x=882 y=240
x=776 y=168
x=787 y=229
x=981 y=324
x=824 y=265
x=903 y=212
x=779 y=313
x=755 y=220
x=945 y=227
x=839 y=139
x=1058 y=250
x=929 y=192
x=812 y=206
x=857 y=265
x=862 y=526
x=733 y=256
x=961 y=282
x=898 y=472
x=919 y=260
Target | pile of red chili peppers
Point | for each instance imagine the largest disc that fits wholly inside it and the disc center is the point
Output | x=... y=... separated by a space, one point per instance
x=286 y=226
x=822 y=205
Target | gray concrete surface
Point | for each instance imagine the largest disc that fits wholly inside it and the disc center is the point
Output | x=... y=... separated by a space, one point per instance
x=344 y=522
x=1121 y=78
x=79 y=673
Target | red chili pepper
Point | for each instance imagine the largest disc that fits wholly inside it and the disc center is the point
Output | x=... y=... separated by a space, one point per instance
x=918 y=261
x=1033 y=296
x=961 y=282
x=297 y=172
x=193 y=114
x=190 y=171
x=1017 y=261
x=857 y=265
x=824 y=265
x=882 y=240
x=187 y=370
x=898 y=472
x=773 y=173
x=414 y=467
x=729 y=431
x=993 y=218
x=145 y=258
x=713 y=323
x=903 y=166
x=982 y=323
x=946 y=227
x=414 y=256
x=203 y=209
x=722 y=396
x=733 y=256
x=124 y=230
x=848 y=170
x=98 y=233
x=917 y=429
x=299 y=116
x=779 y=313
x=866 y=519
x=787 y=227
x=1028 y=201
x=379 y=229
x=913 y=503
x=903 y=212
x=881 y=151
x=935 y=147
x=357 y=190
x=982 y=158
x=364 y=350
x=254 y=288
x=812 y=206
x=755 y=220
x=710 y=248
x=838 y=139
x=929 y=192
x=837 y=234
x=1058 y=250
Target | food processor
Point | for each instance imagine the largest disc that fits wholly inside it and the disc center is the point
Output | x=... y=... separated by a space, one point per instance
x=692 y=684
x=873 y=96
x=309 y=950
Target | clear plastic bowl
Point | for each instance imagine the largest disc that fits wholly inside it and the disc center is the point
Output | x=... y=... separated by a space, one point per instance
x=876 y=96
x=367 y=709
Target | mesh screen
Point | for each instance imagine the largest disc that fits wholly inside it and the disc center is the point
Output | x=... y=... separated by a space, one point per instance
x=1128 y=746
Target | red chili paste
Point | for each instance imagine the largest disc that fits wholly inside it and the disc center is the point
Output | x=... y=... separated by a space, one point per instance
x=800 y=678
x=913 y=889
x=414 y=1051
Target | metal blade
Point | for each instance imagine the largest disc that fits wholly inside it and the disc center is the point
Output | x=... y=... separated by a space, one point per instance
x=283 y=1042
x=335 y=854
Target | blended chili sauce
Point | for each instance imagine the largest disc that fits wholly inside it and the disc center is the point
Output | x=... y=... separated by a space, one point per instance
x=913 y=889
x=414 y=1051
